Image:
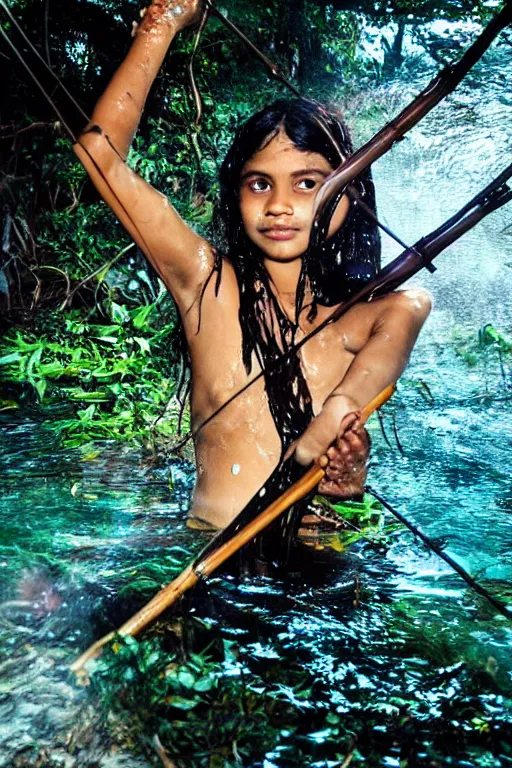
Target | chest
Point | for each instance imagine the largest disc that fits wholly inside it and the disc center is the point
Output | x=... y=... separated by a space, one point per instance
x=325 y=359
x=219 y=373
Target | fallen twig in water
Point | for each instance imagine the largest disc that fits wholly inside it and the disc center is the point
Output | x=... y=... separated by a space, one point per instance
x=498 y=604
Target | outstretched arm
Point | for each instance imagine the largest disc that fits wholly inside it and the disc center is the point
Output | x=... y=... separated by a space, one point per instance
x=179 y=255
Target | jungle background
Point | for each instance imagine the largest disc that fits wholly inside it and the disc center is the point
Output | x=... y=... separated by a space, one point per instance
x=85 y=321
x=370 y=655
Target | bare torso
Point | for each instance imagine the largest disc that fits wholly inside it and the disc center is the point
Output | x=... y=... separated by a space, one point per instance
x=240 y=448
x=351 y=360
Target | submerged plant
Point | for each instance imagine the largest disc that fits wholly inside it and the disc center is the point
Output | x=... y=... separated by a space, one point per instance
x=488 y=346
x=226 y=704
x=356 y=521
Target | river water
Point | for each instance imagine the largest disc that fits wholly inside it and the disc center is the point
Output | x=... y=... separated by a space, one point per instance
x=376 y=655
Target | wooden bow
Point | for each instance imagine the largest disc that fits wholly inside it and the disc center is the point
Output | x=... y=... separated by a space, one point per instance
x=215 y=556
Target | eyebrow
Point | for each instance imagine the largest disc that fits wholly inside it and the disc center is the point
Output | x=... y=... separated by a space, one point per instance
x=302 y=172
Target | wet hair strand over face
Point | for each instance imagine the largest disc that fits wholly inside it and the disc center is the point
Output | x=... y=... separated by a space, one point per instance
x=333 y=270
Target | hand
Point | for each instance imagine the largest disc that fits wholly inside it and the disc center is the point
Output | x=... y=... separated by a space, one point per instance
x=345 y=475
x=323 y=430
x=179 y=13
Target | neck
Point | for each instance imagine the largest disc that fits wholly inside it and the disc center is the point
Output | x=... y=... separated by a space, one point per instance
x=284 y=279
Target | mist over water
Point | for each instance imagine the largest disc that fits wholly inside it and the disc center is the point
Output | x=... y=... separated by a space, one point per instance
x=440 y=165
x=455 y=471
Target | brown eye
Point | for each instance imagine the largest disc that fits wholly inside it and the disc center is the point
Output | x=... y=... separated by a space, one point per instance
x=307 y=183
x=259 y=185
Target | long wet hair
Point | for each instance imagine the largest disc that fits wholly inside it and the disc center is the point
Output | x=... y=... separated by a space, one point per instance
x=334 y=270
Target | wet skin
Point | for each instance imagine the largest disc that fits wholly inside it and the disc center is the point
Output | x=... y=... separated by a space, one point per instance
x=345 y=365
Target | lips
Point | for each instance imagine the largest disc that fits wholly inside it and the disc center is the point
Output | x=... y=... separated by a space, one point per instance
x=279 y=233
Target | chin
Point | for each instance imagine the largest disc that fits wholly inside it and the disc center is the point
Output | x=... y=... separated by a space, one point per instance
x=280 y=252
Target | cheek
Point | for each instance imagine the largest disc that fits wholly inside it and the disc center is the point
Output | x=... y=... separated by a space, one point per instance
x=250 y=212
x=303 y=211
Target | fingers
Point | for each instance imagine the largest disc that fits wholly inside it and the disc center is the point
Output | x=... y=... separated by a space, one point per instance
x=349 y=422
x=345 y=475
x=321 y=434
x=342 y=491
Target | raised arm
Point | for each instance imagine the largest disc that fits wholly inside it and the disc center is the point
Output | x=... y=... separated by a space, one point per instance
x=181 y=257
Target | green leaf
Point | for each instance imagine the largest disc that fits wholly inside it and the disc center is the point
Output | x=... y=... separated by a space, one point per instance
x=34 y=358
x=205 y=684
x=187 y=679
x=119 y=313
x=181 y=703
x=12 y=358
x=143 y=344
x=140 y=316
x=40 y=386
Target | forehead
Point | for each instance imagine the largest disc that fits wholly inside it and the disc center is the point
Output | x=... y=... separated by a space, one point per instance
x=281 y=154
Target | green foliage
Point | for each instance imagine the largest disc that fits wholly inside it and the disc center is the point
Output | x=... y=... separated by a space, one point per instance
x=118 y=376
x=488 y=344
x=363 y=520
x=227 y=704
x=197 y=705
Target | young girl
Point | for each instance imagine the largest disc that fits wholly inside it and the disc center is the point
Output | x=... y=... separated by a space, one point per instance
x=245 y=304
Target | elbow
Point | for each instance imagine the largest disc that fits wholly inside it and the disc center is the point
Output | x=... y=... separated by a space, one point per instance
x=95 y=151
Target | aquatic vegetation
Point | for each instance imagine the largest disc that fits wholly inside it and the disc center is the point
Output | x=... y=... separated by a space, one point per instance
x=357 y=520
x=199 y=706
x=381 y=685
x=482 y=347
x=250 y=672
x=229 y=703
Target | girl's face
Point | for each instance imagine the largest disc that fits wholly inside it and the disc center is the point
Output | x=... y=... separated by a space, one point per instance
x=278 y=186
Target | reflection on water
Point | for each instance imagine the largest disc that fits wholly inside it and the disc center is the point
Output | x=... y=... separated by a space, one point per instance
x=369 y=625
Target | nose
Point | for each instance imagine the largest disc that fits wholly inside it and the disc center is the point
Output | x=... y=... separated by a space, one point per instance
x=279 y=202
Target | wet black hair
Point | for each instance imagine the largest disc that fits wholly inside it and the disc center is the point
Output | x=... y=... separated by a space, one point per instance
x=335 y=269
x=352 y=255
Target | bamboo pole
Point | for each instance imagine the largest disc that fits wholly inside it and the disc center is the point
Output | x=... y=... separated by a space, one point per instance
x=202 y=568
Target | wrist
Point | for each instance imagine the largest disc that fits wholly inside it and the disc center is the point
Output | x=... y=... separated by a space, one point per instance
x=340 y=404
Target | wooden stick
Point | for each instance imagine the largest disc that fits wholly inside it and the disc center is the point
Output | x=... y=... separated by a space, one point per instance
x=500 y=606
x=203 y=568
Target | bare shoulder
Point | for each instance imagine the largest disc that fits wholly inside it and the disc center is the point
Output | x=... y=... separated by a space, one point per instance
x=408 y=307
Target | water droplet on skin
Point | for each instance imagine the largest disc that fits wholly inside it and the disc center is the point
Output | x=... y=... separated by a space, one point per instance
x=235 y=469
x=203 y=257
